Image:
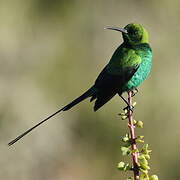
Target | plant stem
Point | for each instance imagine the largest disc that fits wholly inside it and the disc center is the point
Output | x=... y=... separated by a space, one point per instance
x=133 y=138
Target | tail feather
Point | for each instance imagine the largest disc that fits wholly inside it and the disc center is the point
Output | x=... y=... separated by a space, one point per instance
x=87 y=94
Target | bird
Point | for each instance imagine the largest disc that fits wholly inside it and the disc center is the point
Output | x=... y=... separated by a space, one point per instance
x=128 y=67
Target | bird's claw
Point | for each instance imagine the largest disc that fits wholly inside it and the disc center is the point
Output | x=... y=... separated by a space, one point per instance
x=131 y=108
x=134 y=92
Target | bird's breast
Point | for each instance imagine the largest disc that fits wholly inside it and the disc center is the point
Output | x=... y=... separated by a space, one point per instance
x=142 y=73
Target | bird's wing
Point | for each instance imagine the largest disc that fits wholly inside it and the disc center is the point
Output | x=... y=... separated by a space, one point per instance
x=115 y=75
x=119 y=70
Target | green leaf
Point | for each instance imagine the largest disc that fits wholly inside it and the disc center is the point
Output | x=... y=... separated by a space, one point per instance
x=139 y=141
x=124 y=117
x=153 y=177
x=142 y=159
x=140 y=137
x=121 y=165
x=139 y=124
x=147 y=156
x=144 y=166
x=125 y=138
x=144 y=176
x=145 y=149
x=125 y=150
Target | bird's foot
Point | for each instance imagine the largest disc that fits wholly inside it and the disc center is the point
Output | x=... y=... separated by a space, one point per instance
x=129 y=108
x=134 y=92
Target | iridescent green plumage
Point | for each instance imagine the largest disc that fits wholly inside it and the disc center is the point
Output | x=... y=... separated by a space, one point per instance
x=126 y=70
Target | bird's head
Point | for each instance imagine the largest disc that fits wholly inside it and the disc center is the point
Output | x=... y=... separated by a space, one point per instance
x=133 y=34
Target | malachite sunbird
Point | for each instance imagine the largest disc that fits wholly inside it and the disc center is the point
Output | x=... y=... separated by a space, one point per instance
x=128 y=67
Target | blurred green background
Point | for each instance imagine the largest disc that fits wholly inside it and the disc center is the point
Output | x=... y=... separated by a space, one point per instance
x=51 y=52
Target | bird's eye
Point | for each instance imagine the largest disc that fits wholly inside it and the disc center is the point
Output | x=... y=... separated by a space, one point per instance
x=134 y=33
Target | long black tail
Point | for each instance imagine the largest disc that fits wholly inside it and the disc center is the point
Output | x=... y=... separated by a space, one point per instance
x=87 y=94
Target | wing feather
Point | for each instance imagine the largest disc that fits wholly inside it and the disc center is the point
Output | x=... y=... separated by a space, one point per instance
x=115 y=75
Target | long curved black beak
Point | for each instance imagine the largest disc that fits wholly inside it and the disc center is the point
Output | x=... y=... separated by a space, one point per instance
x=117 y=29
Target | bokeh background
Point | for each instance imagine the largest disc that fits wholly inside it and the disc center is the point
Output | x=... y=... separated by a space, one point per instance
x=50 y=52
